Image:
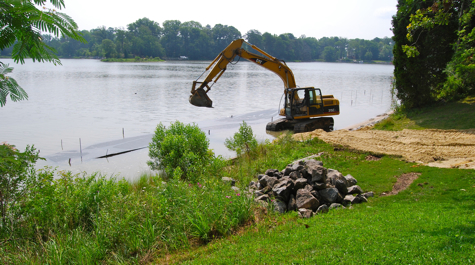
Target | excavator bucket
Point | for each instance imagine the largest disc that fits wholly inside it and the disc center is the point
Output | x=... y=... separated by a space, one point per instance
x=199 y=98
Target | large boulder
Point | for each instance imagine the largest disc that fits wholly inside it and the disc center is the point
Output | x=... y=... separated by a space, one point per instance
x=306 y=200
x=330 y=195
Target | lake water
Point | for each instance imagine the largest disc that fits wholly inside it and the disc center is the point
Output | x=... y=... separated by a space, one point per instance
x=102 y=108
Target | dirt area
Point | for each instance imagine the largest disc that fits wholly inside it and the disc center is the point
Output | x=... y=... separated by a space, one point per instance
x=438 y=148
x=403 y=181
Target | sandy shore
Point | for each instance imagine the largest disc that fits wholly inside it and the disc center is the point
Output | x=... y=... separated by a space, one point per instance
x=438 y=148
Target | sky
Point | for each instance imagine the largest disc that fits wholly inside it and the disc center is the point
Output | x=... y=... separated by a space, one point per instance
x=364 y=19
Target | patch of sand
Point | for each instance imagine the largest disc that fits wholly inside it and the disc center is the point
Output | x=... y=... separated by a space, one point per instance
x=437 y=148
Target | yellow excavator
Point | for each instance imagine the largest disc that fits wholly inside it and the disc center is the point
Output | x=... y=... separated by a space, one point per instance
x=304 y=108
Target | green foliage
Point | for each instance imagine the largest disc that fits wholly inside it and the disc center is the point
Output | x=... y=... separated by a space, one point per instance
x=243 y=141
x=21 y=24
x=16 y=172
x=329 y=54
x=435 y=46
x=179 y=146
x=9 y=86
x=91 y=219
x=419 y=79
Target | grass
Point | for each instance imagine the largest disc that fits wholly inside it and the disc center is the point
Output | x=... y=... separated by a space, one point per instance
x=90 y=219
x=452 y=115
x=428 y=223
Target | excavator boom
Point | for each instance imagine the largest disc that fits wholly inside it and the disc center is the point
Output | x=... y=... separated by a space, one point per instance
x=217 y=68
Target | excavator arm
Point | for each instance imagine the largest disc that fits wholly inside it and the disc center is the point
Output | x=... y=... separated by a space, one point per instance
x=217 y=68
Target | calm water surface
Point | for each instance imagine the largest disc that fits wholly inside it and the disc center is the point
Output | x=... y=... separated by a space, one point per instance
x=100 y=103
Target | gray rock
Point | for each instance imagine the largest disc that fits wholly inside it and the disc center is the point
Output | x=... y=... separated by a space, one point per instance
x=333 y=174
x=308 y=187
x=295 y=175
x=368 y=194
x=260 y=176
x=329 y=195
x=322 y=209
x=258 y=193
x=350 y=180
x=296 y=167
x=313 y=162
x=292 y=205
x=316 y=173
x=355 y=189
x=342 y=185
x=300 y=183
x=279 y=206
x=316 y=194
x=305 y=199
x=305 y=213
x=264 y=197
x=336 y=206
x=235 y=188
x=319 y=186
x=361 y=198
x=270 y=172
x=348 y=199
x=231 y=181
x=268 y=181
x=287 y=170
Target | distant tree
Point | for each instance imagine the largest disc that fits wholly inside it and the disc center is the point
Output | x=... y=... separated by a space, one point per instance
x=109 y=48
x=253 y=36
x=21 y=25
x=329 y=54
x=171 y=40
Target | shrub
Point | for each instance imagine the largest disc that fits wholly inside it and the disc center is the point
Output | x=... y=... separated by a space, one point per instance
x=242 y=141
x=16 y=168
x=180 y=145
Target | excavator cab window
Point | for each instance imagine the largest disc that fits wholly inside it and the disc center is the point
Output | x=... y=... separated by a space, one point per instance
x=316 y=103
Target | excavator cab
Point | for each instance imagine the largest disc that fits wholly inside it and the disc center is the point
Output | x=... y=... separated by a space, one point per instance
x=303 y=102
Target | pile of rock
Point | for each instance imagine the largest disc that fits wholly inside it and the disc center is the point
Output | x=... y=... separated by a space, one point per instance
x=308 y=187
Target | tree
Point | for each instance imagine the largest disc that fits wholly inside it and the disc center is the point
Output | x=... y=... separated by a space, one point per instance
x=21 y=25
x=109 y=48
x=243 y=141
x=420 y=78
x=329 y=54
x=460 y=69
x=179 y=147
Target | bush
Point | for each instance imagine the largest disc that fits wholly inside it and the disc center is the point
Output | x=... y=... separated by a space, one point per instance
x=242 y=141
x=179 y=146
x=16 y=169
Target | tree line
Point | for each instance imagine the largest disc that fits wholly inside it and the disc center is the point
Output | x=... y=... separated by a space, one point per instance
x=146 y=38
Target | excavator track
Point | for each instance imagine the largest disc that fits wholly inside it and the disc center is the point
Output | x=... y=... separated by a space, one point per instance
x=299 y=126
